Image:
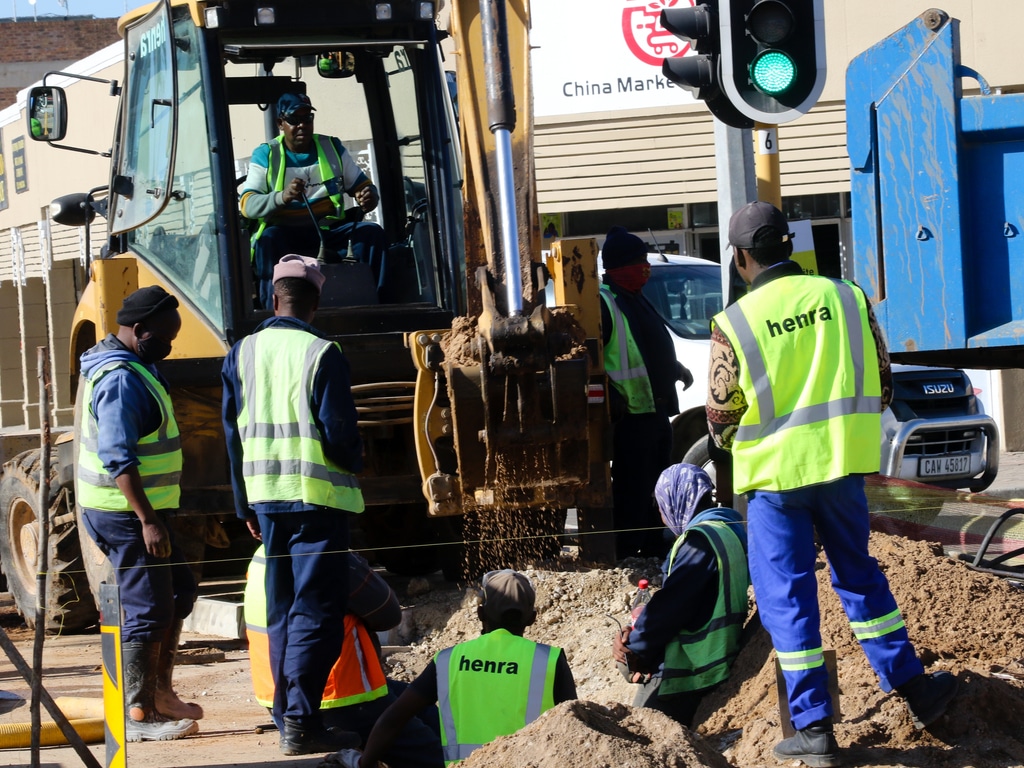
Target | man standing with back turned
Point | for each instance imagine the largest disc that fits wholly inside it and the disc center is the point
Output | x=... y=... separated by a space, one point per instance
x=799 y=376
x=294 y=447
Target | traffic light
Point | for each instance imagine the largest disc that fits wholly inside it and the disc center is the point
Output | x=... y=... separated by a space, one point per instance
x=699 y=73
x=773 y=57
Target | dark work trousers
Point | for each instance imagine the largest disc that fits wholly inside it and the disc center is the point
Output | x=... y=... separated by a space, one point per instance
x=641 y=449
x=154 y=592
x=364 y=241
x=307 y=592
x=418 y=744
x=681 y=707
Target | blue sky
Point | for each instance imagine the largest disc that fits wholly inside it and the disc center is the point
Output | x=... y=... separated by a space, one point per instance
x=52 y=8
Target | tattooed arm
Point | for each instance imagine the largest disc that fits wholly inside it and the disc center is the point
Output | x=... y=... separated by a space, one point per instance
x=884 y=365
x=726 y=403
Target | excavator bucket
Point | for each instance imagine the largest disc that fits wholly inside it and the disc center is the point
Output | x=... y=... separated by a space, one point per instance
x=508 y=419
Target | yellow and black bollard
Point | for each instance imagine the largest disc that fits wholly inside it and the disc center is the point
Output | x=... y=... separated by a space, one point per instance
x=113 y=675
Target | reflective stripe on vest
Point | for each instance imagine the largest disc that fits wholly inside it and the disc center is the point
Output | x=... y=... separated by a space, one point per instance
x=357 y=675
x=631 y=381
x=479 y=699
x=808 y=369
x=700 y=659
x=159 y=452
x=328 y=160
x=282 y=453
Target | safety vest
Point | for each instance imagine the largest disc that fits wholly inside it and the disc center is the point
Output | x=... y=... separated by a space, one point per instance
x=159 y=452
x=331 y=168
x=357 y=675
x=623 y=362
x=282 y=454
x=808 y=369
x=489 y=687
x=699 y=659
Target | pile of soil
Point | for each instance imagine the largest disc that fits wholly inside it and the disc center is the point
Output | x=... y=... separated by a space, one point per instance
x=963 y=621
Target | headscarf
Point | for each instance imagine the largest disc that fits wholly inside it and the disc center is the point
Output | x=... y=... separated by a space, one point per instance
x=678 y=492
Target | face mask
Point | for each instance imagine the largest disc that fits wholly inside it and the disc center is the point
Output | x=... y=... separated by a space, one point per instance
x=632 y=277
x=153 y=350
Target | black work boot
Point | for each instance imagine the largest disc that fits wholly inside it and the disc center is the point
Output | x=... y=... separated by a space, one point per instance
x=927 y=696
x=307 y=738
x=815 y=745
x=142 y=721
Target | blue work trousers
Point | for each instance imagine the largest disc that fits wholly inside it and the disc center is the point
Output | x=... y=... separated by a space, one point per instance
x=363 y=241
x=307 y=592
x=154 y=592
x=780 y=528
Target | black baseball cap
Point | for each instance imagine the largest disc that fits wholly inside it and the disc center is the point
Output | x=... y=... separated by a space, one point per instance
x=758 y=222
x=292 y=102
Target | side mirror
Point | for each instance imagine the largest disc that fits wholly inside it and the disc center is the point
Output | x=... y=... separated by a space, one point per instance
x=74 y=210
x=336 y=64
x=47 y=113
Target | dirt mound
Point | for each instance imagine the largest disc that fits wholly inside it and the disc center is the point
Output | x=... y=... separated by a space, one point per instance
x=959 y=620
x=582 y=733
x=969 y=623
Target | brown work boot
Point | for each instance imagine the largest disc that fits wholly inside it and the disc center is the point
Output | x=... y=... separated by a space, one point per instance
x=166 y=700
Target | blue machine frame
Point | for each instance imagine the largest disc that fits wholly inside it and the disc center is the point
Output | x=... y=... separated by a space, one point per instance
x=938 y=200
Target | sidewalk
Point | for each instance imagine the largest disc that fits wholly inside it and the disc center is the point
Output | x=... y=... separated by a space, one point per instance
x=1009 y=482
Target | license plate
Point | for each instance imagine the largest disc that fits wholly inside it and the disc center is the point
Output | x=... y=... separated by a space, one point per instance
x=943 y=466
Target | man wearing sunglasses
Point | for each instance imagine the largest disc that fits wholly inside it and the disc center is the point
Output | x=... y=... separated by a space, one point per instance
x=299 y=176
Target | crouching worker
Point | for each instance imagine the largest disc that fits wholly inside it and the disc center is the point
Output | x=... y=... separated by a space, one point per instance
x=688 y=635
x=488 y=687
x=357 y=691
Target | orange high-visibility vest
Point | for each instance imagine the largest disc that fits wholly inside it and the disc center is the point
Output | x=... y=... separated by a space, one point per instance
x=356 y=676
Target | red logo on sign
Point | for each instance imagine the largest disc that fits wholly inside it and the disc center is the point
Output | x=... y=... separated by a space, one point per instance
x=647 y=39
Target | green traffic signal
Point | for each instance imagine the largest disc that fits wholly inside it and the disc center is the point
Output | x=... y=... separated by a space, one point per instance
x=772 y=72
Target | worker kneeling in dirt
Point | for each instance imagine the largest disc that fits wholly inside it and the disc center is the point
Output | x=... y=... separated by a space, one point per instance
x=684 y=642
x=487 y=687
x=357 y=692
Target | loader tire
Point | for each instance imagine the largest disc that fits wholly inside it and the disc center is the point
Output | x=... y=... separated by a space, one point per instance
x=69 y=604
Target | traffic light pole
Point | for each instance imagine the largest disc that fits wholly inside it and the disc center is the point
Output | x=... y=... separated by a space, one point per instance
x=766 y=164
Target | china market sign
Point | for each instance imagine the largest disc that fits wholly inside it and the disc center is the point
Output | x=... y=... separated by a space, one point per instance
x=603 y=56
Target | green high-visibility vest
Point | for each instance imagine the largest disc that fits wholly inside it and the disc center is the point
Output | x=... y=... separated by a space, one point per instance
x=489 y=687
x=699 y=659
x=808 y=369
x=623 y=362
x=331 y=167
x=282 y=453
x=159 y=452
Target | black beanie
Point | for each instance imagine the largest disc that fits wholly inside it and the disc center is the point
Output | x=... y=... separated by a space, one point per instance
x=622 y=249
x=145 y=303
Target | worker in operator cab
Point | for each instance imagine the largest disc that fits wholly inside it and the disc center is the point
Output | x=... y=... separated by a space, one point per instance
x=296 y=178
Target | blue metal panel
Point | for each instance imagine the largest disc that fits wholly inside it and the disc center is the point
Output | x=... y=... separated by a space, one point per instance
x=938 y=208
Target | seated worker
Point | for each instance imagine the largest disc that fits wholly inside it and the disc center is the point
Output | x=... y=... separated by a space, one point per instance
x=302 y=164
x=356 y=692
x=484 y=685
x=672 y=648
